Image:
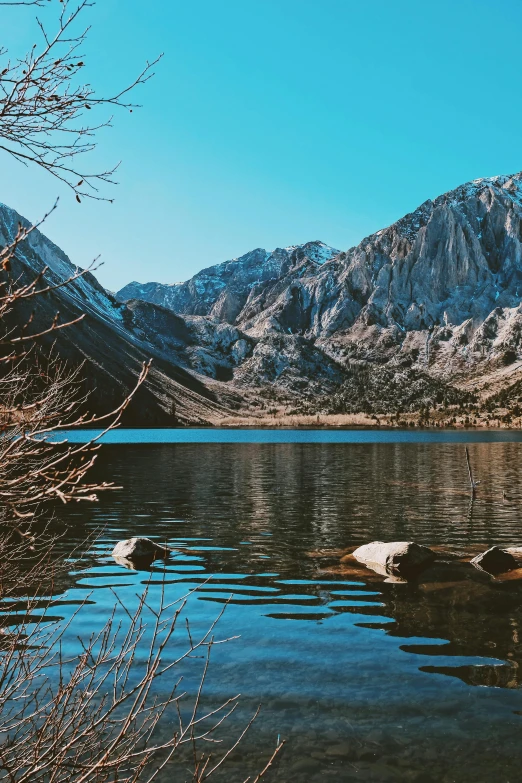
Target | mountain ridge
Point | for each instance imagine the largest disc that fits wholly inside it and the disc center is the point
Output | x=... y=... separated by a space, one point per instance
x=222 y=289
x=426 y=312
x=395 y=241
x=439 y=288
x=112 y=354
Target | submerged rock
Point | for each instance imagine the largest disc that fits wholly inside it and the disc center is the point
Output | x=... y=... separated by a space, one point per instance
x=396 y=557
x=139 y=548
x=495 y=561
x=139 y=564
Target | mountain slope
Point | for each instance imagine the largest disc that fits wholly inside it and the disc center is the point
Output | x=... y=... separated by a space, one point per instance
x=453 y=259
x=423 y=313
x=438 y=292
x=113 y=353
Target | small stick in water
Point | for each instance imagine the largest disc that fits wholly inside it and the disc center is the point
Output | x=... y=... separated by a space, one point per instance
x=473 y=484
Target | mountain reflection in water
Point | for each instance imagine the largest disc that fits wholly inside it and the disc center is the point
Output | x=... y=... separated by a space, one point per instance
x=367 y=679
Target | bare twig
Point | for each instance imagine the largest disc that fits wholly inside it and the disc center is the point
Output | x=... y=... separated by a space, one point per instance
x=95 y=715
x=473 y=484
x=46 y=109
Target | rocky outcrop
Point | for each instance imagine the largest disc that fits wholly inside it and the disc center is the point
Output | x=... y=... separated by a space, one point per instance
x=453 y=260
x=206 y=346
x=222 y=291
x=436 y=296
x=495 y=561
x=401 y=558
x=292 y=363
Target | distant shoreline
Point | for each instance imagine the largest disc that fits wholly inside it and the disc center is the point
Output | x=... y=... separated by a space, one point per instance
x=437 y=420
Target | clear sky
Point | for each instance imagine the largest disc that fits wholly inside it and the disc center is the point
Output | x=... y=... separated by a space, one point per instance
x=275 y=122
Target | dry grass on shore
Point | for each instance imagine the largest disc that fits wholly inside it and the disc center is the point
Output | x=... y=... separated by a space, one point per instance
x=442 y=420
x=296 y=420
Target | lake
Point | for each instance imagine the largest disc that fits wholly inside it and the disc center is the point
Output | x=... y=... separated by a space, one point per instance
x=365 y=679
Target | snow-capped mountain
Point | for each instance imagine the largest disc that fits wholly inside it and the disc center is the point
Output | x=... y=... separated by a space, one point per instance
x=221 y=291
x=451 y=260
x=440 y=290
x=426 y=310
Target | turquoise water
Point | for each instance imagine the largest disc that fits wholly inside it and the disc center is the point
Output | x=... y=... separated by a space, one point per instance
x=366 y=680
x=216 y=435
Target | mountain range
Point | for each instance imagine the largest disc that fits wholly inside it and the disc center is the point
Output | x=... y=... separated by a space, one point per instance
x=424 y=313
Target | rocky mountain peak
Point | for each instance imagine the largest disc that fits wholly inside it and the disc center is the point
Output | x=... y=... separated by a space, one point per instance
x=222 y=290
x=453 y=259
x=509 y=185
x=434 y=296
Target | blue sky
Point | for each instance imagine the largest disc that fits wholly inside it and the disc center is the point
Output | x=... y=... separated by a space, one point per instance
x=274 y=122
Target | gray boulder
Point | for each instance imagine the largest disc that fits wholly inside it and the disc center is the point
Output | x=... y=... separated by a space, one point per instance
x=395 y=557
x=495 y=561
x=137 y=548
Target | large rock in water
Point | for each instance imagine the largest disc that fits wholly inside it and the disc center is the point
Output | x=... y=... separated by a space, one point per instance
x=395 y=557
x=137 y=548
x=495 y=561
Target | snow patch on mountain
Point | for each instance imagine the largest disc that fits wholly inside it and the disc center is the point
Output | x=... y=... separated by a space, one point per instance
x=222 y=290
x=38 y=252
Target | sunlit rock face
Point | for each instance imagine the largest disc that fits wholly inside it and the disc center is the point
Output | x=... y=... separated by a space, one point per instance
x=438 y=292
x=221 y=291
x=402 y=321
x=453 y=259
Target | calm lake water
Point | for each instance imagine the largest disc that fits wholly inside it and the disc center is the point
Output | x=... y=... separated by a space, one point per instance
x=366 y=680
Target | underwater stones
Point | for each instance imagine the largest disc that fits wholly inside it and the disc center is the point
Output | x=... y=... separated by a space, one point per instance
x=395 y=557
x=139 y=549
x=495 y=561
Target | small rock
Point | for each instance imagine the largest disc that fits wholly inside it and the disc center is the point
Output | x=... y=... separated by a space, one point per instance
x=495 y=561
x=395 y=557
x=136 y=548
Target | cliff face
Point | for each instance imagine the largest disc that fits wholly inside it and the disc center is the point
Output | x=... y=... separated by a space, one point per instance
x=453 y=259
x=221 y=291
x=439 y=290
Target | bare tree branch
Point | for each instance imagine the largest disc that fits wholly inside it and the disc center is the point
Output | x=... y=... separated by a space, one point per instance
x=45 y=107
x=40 y=396
x=25 y=2
x=96 y=716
